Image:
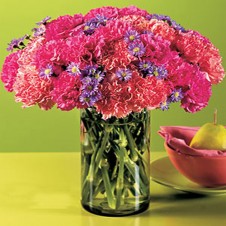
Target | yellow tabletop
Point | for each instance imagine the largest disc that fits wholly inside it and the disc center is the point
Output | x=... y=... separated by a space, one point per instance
x=43 y=189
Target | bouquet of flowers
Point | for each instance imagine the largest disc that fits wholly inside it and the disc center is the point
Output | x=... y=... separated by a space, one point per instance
x=115 y=64
x=115 y=60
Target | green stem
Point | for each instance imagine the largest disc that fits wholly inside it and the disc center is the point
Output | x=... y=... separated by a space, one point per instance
x=99 y=188
x=107 y=184
x=120 y=179
x=94 y=164
x=131 y=143
x=134 y=170
x=100 y=152
x=90 y=132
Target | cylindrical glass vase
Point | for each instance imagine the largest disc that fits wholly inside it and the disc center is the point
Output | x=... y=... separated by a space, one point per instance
x=115 y=163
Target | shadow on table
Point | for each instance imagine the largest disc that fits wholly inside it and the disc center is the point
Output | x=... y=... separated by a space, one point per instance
x=186 y=204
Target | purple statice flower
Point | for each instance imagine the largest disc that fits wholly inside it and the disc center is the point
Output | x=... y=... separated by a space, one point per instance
x=86 y=80
x=94 y=23
x=89 y=27
x=176 y=95
x=89 y=71
x=90 y=100
x=98 y=75
x=90 y=86
x=137 y=49
x=46 y=72
x=39 y=31
x=100 y=20
x=157 y=17
x=177 y=26
x=43 y=21
x=17 y=43
x=73 y=69
x=131 y=36
x=124 y=74
x=164 y=106
x=145 y=66
x=158 y=71
x=94 y=72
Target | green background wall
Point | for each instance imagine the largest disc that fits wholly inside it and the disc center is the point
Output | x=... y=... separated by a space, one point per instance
x=36 y=130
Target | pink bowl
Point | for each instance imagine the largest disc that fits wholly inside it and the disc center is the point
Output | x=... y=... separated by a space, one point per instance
x=207 y=171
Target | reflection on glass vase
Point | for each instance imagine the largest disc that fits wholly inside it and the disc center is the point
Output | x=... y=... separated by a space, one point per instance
x=115 y=163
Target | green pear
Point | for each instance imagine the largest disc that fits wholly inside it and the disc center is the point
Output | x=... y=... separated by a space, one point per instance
x=210 y=136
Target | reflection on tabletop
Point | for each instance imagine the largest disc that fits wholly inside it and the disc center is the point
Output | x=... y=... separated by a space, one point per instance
x=44 y=189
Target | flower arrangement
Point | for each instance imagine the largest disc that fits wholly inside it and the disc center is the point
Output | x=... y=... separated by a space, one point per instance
x=116 y=61
x=116 y=64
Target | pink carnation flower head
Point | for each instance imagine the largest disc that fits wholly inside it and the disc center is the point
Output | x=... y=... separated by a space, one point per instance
x=28 y=75
x=132 y=10
x=10 y=70
x=162 y=28
x=200 y=50
x=66 y=92
x=62 y=26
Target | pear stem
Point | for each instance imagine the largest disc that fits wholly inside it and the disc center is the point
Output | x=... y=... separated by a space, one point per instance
x=215 y=117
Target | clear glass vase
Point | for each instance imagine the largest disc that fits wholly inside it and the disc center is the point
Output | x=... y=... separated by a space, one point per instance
x=115 y=163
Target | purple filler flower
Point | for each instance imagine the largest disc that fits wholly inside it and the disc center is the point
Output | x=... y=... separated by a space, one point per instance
x=176 y=95
x=94 y=72
x=43 y=21
x=145 y=66
x=46 y=72
x=124 y=74
x=90 y=86
x=165 y=105
x=16 y=43
x=89 y=100
x=73 y=69
x=131 y=36
x=137 y=49
x=98 y=75
x=100 y=20
x=39 y=31
x=90 y=70
x=159 y=72
x=89 y=27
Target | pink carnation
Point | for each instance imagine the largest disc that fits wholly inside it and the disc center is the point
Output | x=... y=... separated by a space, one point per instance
x=198 y=95
x=181 y=73
x=115 y=99
x=195 y=86
x=139 y=23
x=199 y=50
x=25 y=90
x=112 y=45
x=156 y=92
x=121 y=98
x=29 y=94
x=157 y=49
x=9 y=70
x=62 y=26
x=162 y=28
x=53 y=52
x=81 y=49
x=118 y=56
x=113 y=31
x=66 y=92
x=132 y=10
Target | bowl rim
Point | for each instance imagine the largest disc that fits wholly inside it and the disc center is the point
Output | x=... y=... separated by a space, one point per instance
x=167 y=146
